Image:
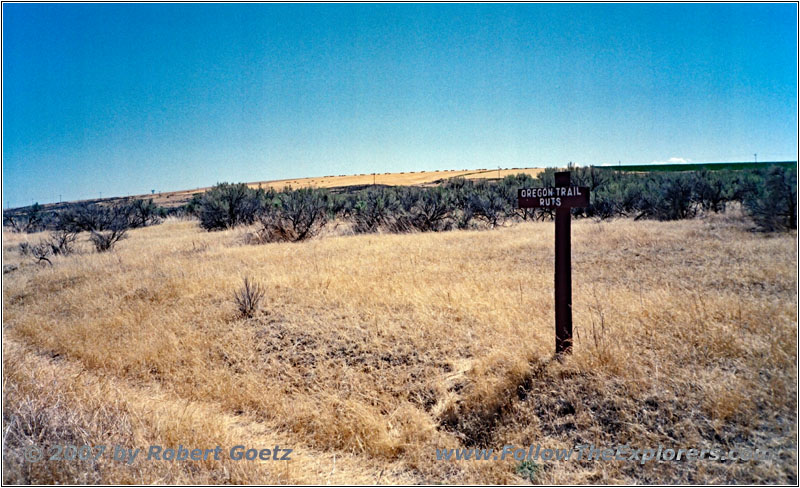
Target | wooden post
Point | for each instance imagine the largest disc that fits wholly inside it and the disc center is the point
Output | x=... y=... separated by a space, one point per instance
x=562 y=197
x=563 y=272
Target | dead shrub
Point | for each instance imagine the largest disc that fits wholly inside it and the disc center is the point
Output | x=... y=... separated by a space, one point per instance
x=62 y=242
x=41 y=252
x=249 y=297
x=105 y=240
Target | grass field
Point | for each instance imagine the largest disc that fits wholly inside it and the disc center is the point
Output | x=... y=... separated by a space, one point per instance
x=371 y=351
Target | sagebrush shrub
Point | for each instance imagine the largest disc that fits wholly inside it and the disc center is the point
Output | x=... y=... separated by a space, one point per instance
x=30 y=219
x=773 y=205
x=374 y=209
x=225 y=206
x=432 y=210
x=296 y=215
x=142 y=213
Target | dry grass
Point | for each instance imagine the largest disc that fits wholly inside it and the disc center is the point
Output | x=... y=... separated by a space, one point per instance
x=374 y=350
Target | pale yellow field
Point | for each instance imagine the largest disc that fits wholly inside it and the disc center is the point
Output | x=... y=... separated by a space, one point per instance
x=398 y=179
x=171 y=199
x=369 y=352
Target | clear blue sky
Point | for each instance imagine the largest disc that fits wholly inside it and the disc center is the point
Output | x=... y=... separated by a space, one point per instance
x=122 y=99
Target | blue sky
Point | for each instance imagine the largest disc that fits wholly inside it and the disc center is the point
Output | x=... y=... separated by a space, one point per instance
x=120 y=99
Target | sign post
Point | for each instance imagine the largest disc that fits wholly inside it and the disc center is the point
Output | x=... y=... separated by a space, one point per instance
x=562 y=197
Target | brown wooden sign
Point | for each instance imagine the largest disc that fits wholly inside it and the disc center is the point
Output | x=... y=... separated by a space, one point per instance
x=561 y=197
x=553 y=197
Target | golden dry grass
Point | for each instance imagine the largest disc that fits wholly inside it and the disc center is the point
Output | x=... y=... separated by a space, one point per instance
x=369 y=352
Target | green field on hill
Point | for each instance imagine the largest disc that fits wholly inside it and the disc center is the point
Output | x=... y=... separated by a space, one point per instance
x=700 y=166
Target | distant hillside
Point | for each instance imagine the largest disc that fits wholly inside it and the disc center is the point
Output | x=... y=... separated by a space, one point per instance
x=409 y=178
x=178 y=198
